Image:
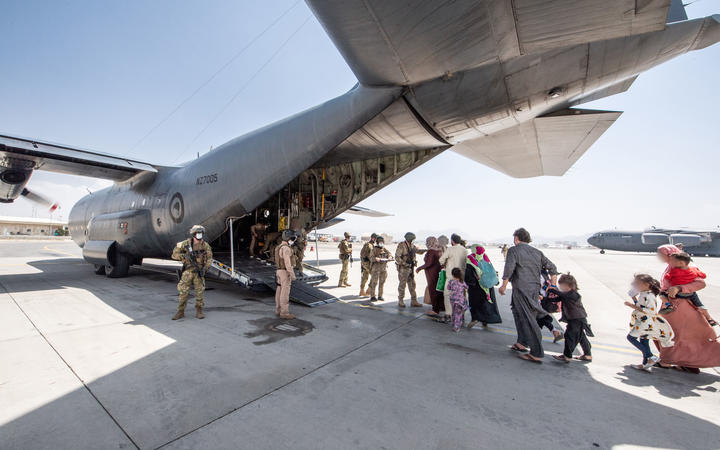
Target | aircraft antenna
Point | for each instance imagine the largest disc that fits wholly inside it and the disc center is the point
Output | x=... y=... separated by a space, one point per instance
x=244 y=86
x=214 y=75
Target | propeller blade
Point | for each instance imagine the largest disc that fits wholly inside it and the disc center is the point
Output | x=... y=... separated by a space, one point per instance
x=40 y=200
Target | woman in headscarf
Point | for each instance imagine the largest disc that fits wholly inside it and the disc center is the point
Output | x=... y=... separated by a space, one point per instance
x=483 y=307
x=696 y=344
x=443 y=242
x=432 y=271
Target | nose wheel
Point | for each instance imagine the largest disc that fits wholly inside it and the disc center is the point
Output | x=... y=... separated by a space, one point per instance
x=602 y=252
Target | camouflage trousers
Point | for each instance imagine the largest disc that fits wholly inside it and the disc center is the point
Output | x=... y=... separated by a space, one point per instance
x=190 y=279
x=406 y=277
x=365 y=274
x=344 y=272
x=377 y=279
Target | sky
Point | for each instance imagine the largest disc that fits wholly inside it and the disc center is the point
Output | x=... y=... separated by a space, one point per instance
x=102 y=75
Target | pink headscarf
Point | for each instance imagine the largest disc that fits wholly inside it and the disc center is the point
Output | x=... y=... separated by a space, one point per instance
x=668 y=249
x=479 y=250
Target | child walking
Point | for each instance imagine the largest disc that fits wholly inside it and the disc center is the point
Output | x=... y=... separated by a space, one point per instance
x=458 y=298
x=645 y=321
x=682 y=273
x=574 y=314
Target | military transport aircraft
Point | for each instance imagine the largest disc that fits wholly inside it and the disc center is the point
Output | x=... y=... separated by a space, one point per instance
x=697 y=242
x=497 y=81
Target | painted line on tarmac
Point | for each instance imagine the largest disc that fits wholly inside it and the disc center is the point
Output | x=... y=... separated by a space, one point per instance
x=58 y=251
x=610 y=348
x=67 y=364
x=510 y=332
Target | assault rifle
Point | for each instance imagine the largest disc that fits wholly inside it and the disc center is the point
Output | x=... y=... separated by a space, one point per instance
x=191 y=256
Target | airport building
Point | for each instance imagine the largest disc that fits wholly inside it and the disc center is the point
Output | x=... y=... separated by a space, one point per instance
x=30 y=226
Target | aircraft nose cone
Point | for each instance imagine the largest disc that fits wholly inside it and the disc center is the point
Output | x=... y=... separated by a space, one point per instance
x=592 y=240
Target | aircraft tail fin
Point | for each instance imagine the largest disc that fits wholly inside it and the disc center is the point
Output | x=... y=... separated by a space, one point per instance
x=676 y=13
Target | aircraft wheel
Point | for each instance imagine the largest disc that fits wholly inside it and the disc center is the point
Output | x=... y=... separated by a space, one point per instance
x=99 y=269
x=121 y=266
x=602 y=252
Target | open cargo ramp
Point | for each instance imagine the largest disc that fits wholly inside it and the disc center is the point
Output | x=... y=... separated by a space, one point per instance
x=257 y=274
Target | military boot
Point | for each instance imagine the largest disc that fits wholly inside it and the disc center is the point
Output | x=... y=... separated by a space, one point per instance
x=362 y=293
x=401 y=303
x=179 y=314
x=198 y=312
x=414 y=303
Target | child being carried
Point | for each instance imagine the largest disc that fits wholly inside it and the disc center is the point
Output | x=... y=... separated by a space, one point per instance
x=682 y=273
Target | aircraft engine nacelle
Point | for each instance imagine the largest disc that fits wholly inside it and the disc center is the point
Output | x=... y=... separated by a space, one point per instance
x=688 y=240
x=99 y=252
x=657 y=239
x=131 y=231
x=12 y=182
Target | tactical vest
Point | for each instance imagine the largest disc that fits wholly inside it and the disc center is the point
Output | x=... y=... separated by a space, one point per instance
x=409 y=257
x=278 y=259
x=198 y=252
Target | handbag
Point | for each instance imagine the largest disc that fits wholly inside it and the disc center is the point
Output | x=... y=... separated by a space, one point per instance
x=441 y=281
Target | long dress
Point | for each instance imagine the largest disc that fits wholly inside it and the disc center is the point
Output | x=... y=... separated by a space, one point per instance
x=481 y=309
x=696 y=343
x=432 y=272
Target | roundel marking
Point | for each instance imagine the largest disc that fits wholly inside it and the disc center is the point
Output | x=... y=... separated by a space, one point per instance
x=177 y=208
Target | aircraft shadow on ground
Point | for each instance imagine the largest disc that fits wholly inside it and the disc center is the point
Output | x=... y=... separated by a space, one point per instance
x=210 y=370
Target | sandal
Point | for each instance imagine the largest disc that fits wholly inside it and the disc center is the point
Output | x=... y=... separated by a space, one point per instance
x=584 y=358
x=529 y=358
x=561 y=358
x=515 y=348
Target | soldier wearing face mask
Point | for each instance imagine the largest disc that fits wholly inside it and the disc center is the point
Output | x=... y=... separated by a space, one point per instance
x=196 y=256
x=379 y=258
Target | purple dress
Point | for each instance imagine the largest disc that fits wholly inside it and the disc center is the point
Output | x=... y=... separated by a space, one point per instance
x=458 y=300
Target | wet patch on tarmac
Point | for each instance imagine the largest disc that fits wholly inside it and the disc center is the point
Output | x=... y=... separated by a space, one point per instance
x=275 y=329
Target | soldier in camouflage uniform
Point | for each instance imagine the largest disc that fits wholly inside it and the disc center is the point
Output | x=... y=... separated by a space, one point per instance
x=378 y=270
x=299 y=249
x=365 y=263
x=194 y=249
x=345 y=248
x=405 y=262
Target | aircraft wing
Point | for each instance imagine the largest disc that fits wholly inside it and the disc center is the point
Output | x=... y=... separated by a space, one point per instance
x=360 y=211
x=546 y=145
x=26 y=155
x=401 y=42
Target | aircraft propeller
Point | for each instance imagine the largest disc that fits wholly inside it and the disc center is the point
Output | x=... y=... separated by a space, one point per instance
x=40 y=200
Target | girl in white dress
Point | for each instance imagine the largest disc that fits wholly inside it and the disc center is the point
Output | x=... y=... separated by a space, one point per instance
x=645 y=321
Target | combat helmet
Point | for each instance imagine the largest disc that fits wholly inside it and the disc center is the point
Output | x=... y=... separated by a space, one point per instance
x=197 y=229
x=410 y=236
x=288 y=235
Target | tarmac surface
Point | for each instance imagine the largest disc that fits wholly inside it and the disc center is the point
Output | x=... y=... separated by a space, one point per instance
x=89 y=362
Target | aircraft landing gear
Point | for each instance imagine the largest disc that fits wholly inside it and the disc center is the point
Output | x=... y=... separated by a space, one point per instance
x=119 y=266
x=602 y=252
x=99 y=269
